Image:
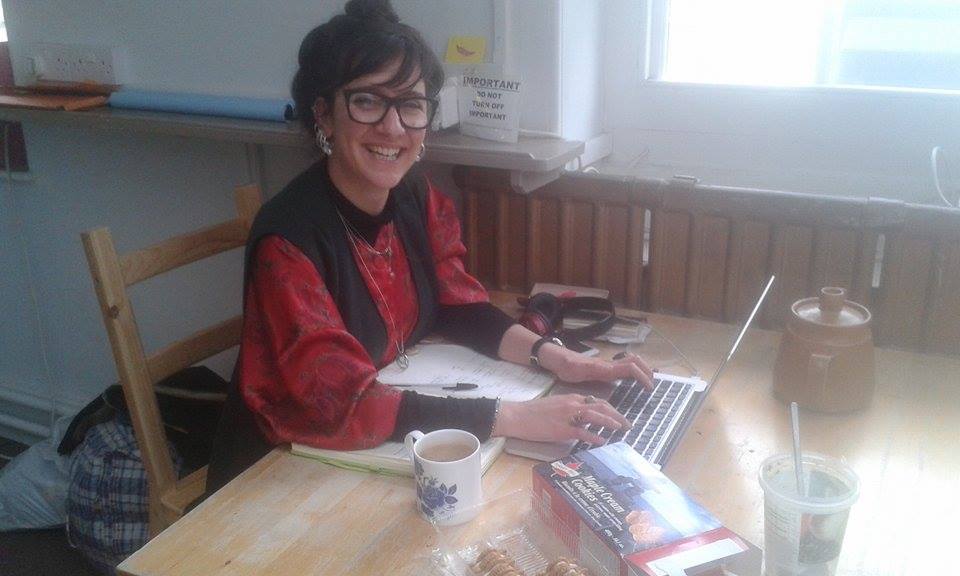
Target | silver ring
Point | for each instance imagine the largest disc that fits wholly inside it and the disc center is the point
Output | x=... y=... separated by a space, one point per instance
x=577 y=420
x=589 y=399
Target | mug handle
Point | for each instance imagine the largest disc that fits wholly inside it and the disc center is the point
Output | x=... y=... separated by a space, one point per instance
x=410 y=439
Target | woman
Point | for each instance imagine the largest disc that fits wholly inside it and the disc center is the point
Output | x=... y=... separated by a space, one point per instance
x=359 y=257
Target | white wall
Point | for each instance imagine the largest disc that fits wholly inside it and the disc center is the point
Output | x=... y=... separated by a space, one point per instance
x=857 y=143
x=581 y=57
x=234 y=47
x=20 y=360
x=533 y=40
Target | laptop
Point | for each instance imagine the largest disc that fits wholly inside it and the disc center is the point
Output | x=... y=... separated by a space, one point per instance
x=660 y=416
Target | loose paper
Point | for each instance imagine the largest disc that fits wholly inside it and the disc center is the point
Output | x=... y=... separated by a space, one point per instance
x=490 y=107
x=450 y=363
x=466 y=49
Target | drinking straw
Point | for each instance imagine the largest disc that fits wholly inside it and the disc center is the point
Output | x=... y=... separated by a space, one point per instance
x=797 y=454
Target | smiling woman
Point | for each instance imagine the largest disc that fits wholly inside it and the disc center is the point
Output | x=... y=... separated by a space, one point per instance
x=360 y=257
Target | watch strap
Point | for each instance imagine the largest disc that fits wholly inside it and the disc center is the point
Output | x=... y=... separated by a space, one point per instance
x=535 y=349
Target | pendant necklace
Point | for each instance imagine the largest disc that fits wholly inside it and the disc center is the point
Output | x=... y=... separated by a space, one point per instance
x=402 y=360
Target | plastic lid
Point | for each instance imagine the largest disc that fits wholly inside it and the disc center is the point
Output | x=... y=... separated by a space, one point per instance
x=831 y=309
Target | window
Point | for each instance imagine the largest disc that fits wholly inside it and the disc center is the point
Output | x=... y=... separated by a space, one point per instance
x=888 y=43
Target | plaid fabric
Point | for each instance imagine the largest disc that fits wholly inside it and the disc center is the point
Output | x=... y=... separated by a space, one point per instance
x=107 y=506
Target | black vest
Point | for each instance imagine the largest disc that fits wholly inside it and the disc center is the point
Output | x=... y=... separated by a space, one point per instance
x=305 y=214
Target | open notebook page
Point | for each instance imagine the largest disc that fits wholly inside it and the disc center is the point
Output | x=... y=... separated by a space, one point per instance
x=441 y=363
x=450 y=363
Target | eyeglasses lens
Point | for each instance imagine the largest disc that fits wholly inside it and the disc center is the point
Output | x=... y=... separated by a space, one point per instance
x=368 y=108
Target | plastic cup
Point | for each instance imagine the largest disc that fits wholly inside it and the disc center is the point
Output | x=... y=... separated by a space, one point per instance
x=803 y=534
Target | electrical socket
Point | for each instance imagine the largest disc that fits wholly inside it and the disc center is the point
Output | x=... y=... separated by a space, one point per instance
x=74 y=63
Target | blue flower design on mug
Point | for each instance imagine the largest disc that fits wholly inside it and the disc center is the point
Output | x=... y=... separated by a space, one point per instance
x=434 y=497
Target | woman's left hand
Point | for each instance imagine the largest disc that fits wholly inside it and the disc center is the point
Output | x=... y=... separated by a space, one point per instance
x=571 y=366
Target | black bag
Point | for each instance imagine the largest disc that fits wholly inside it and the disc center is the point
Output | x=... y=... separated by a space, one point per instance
x=190 y=424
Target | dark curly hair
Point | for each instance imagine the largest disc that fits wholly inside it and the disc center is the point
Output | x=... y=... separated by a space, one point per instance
x=365 y=38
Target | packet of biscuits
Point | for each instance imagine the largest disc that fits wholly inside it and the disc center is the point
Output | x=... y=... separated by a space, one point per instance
x=510 y=536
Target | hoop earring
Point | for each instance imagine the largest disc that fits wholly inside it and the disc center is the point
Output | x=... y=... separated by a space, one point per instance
x=420 y=153
x=323 y=143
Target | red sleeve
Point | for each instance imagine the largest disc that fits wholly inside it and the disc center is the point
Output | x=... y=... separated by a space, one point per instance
x=305 y=377
x=456 y=286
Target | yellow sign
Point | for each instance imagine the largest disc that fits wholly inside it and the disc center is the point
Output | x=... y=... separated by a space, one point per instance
x=466 y=49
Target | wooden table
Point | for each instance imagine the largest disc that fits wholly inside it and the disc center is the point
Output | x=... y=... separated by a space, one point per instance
x=289 y=515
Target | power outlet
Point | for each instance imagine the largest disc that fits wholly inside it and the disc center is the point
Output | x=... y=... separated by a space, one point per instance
x=74 y=63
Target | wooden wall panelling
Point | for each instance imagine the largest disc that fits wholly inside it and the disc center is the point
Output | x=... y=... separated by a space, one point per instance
x=942 y=331
x=670 y=241
x=535 y=230
x=634 y=266
x=502 y=227
x=514 y=254
x=904 y=286
x=471 y=211
x=707 y=262
x=549 y=265
x=600 y=257
x=566 y=241
x=576 y=243
x=612 y=259
x=835 y=255
x=862 y=289
x=747 y=268
x=791 y=261
x=488 y=244
x=941 y=226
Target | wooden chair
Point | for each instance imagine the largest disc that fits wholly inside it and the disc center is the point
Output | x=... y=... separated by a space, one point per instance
x=138 y=373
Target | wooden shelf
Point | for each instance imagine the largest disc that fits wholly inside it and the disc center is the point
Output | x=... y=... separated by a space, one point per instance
x=532 y=162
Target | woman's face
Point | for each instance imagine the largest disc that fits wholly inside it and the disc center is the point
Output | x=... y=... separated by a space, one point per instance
x=370 y=158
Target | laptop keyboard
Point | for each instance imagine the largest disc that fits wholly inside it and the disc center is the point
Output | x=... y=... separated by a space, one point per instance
x=654 y=413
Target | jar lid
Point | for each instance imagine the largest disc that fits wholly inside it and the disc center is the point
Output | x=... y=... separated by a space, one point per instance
x=831 y=308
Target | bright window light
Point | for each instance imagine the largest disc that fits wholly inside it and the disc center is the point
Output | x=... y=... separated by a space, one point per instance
x=896 y=43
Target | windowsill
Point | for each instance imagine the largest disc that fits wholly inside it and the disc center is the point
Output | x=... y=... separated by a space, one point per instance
x=531 y=161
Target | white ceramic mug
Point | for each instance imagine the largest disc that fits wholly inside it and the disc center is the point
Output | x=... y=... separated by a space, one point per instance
x=446 y=466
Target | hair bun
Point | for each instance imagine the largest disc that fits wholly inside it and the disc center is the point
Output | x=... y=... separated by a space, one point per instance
x=371 y=10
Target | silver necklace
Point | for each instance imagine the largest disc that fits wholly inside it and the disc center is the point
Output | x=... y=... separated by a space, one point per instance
x=355 y=234
x=402 y=360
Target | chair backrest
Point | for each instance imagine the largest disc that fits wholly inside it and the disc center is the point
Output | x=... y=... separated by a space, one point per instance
x=138 y=373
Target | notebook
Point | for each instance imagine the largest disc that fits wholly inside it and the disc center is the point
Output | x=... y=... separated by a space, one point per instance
x=660 y=416
x=434 y=368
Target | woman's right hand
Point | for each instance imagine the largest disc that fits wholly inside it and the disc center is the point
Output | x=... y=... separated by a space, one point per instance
x=557 y=418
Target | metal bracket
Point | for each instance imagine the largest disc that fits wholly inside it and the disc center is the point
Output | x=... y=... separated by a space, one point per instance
x=526 y=182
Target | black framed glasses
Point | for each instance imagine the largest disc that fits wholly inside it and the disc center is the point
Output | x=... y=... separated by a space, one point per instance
x=366 y=107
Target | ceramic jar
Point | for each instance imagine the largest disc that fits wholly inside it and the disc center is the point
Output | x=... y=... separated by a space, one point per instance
x=825 y=362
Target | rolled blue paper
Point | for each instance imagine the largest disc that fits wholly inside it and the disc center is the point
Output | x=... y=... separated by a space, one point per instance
x=275 y=109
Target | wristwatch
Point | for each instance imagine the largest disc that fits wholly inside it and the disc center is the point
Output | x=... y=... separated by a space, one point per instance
x=535 y=350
